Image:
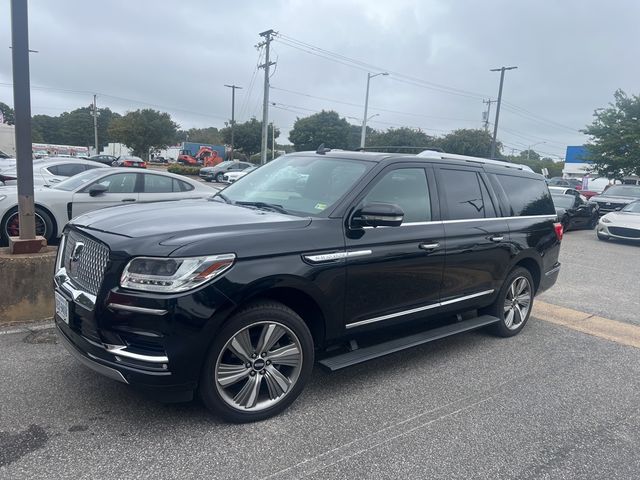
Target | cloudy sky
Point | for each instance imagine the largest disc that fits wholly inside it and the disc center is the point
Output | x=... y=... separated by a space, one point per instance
x=176 y=56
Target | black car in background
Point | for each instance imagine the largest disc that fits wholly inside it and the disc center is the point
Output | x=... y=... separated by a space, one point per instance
x=104 y=159
x=564 y=182
x=236 y=297
x=616 y=198
x=573 y=212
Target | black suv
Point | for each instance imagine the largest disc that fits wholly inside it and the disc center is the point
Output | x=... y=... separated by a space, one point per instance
x=335 y=257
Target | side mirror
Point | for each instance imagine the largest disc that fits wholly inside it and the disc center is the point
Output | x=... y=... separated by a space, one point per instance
x=97 y=189
x=378 y=215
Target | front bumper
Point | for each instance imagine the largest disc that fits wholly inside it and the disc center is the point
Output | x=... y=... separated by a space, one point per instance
x=610 y=230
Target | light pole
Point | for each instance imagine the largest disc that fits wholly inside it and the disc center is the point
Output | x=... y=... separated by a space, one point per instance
x=531 y=146
x=495 y=126
x=233 y=112
x=366 y=107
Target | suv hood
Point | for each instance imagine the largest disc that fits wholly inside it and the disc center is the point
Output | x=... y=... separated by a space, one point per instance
x=181 y=222
x=612 y=199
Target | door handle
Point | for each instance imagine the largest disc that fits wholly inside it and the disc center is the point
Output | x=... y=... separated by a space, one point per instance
x=128 y=199
x=428 y=246
x=496 y=238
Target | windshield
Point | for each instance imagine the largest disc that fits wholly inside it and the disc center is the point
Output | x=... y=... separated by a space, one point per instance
x=563 y=201
x=303 y=184
x=623 y=191
x=78 y=180
x=633 y=207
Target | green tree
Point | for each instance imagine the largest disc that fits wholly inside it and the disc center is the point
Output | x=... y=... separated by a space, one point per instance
x=248 y=136
x=537 y=164
x=7 y=113
x=614 y=144
x=401 y=137
x=143 y=129
x=474 y=142
x=72 y=128
x=209 y=135
x=324 y=127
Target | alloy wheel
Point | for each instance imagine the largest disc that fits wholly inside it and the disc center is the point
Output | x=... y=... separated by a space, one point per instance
x=517 y=303
x=12 y=228
x=258 y=366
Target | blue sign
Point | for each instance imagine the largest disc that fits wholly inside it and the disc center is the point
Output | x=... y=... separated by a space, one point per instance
x=577 y=154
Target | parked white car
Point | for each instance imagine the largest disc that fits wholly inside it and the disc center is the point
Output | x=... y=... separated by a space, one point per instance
x=92 y=190
x=624 y=224
x=231 y=177
x=48 y=171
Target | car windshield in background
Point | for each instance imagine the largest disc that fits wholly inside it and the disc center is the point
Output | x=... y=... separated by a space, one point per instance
x=633 y=207
x=78 y=180
x=563 y=201
x=623 y=191
x=299 y=184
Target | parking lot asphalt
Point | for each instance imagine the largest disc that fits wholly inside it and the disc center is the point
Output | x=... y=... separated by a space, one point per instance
x=598 y=277
x=550 y=403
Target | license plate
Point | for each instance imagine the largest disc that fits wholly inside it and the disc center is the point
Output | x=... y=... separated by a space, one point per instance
x=62 y=308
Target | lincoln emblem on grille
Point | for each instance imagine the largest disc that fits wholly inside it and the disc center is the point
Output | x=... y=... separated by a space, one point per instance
x=77 y=251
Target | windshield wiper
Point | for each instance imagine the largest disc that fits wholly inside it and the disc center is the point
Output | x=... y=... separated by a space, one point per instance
x=272 y=206
x=222 y=196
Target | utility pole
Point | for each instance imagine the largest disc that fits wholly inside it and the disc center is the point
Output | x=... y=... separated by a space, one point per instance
x=495 y=126
x=27 y=242
x=233 y=112
x=265 y=101
x=95 y=124
x=273 y=141
x=487 y=113
x=363 y=135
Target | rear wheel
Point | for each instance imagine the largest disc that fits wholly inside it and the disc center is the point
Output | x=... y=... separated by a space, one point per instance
x=220 y=177
x=513 y=304
x=258 y=363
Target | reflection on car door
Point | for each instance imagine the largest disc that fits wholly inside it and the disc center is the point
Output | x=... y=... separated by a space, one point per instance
x=121 y=189
x=395 y=272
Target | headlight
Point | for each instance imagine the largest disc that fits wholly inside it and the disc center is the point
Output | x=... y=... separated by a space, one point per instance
x=605 y=220
x=171 y=275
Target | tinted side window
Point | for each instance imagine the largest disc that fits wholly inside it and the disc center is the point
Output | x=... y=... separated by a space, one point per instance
x=119 y=183
x=157 y=184
x=69 y=169
x=180 y=186
x=463 y=195
x=527 y=196
x=407 y=188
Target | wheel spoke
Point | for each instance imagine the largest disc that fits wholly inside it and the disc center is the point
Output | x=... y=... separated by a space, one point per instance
x=247 y=397
x=512 y=291
x=288 y=355
x=241 y=346
x=277 y=383
x=508 y=320
x=269 y=337
x=520 y=317
x=229 y=374
x=522 y=284
x=524 y=299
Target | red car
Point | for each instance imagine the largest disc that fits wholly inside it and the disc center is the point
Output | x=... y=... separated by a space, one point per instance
x=129 y=161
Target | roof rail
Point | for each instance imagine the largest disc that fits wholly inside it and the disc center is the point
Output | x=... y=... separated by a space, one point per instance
x=468 y=158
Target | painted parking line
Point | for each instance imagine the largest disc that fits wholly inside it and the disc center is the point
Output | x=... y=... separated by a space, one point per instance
x=613 y=330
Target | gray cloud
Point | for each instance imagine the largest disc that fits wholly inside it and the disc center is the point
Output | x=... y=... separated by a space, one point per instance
x=177 y=56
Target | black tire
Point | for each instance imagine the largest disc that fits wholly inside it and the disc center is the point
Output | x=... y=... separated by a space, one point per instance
x=44 y=225
x=220 y=177
x=497 y=309
x=593 y=222
x=602 y=237
x=252 y=320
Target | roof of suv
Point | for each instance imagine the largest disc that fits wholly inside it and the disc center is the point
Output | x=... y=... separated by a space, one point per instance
x=426 y=155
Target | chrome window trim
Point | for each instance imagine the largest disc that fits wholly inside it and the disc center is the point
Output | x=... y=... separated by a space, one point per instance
x=418 y=309
x=463 y=220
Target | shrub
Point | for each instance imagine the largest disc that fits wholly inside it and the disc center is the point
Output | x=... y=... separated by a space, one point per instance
x=183 y=170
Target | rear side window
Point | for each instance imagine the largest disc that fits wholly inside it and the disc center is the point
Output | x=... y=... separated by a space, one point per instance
x=527 y=196
x=466 y=196
x=66 y=169
x=180 y=186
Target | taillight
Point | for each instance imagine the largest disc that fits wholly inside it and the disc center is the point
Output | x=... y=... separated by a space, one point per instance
x=559 y=230
x=127 y=163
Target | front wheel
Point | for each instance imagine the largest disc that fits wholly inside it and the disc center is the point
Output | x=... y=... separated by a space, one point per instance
x=513 y=304
x=258 y=363
x=593 y=222
x=220 y=177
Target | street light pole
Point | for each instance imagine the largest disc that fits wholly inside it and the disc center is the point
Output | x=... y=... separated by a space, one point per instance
x=499 y=102
x=366 y=107
x=27 y=243
x=233 y=112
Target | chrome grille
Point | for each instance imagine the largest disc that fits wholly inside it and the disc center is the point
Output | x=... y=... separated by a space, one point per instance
x=85 y=261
